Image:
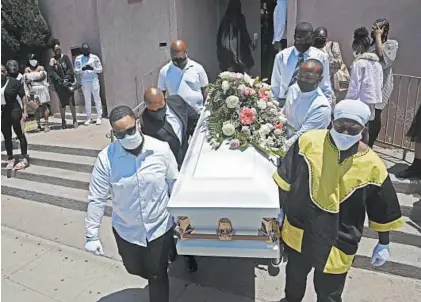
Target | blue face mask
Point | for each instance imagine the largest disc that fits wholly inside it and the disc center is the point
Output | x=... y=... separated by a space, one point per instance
x=344 y=141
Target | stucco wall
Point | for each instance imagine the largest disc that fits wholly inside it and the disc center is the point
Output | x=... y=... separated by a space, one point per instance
x=197 y=26
x=73 y=23
x=342 y=17
x=130 y=36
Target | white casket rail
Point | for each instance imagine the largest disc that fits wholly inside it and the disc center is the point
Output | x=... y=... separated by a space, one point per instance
x=224 y=183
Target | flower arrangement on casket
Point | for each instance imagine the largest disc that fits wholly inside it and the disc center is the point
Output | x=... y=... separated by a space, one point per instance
x=243 y=112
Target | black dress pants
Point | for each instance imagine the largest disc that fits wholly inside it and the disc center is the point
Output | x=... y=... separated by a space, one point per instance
x=150 y=262
x=374 y=128
x=328 y=287
x=11 y=119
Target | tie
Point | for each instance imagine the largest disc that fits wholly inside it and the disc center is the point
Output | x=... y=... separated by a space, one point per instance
x=297 y=68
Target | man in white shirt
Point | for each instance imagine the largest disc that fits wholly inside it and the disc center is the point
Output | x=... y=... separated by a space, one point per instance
x=184 y=77
x=280 y=25
x=89 y=66
x=306 y=107
x=287 y=63
x=140 y=172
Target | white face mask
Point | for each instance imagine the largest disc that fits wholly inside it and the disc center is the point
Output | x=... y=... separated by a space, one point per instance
x=33 y=63
x=131 y=142
x=344 y=141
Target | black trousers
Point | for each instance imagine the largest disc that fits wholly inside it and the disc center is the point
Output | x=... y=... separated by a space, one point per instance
x=150 y=262
x=374 y=128
x=11 y=119
x=328 y=287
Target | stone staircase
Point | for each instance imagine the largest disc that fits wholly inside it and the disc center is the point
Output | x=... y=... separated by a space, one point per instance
x=61 y=162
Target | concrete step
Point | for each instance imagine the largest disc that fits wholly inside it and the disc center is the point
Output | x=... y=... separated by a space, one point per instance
x=37 y=218
x=54 y=176
x=57 y=160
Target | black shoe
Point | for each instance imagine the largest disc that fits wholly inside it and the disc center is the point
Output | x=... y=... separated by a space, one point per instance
x=63 y=125
x=191 y=264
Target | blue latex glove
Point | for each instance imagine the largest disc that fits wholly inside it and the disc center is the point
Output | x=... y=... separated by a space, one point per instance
x=381 y=254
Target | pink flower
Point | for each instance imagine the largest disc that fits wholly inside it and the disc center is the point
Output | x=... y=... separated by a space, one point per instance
x=264 y=95
x=249 y=91
x=235 y=143
x=279 y=126
x=247 y=116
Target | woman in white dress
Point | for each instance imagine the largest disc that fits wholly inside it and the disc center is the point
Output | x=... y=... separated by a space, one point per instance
x=36 y=90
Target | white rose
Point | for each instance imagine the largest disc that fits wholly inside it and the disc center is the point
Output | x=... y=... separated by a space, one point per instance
x=278 y=132
x=261 y=104
x=225 y=86
x=264 y=129
x=239 y=76
x=232 y=101
x=241 y=88
x=270 y=126
x=282 y=119
x=225 y=75
x=276 y=103
x=270 y=104
x=246 y=130
x=228 y=129
x=248 y=79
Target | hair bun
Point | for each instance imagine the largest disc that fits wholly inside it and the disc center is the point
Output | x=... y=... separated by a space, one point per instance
x=361 y=33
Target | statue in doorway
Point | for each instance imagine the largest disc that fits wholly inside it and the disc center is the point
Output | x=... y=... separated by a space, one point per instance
x=234 y=45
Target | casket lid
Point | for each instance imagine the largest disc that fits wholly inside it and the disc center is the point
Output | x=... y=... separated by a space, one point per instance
x=224 y=178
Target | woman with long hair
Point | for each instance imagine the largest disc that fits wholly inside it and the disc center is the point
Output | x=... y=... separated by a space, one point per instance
x=36 y=90
x=234 y=44
x=366 y=75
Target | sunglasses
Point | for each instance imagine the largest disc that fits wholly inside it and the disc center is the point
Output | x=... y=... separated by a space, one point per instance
x=122 y=134
x=352 y=129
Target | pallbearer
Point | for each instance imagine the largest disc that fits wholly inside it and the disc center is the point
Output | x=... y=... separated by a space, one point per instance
x=328 y=181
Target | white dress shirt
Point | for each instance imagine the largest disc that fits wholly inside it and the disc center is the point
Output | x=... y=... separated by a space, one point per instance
x=175 y=123
x=140 y=187
x=284 y=67
x=305 y=111
x=187 y=82
x=280 y=21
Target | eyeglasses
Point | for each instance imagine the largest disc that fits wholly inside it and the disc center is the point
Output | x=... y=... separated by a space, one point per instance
x=351 y=128
x=122 y=134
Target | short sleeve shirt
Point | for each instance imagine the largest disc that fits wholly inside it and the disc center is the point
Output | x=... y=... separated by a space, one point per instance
x=187 y=82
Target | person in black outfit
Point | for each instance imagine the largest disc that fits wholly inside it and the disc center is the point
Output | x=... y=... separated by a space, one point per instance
x=173 y=121
x=234 y=44
x=63 y=78
x=11 y=115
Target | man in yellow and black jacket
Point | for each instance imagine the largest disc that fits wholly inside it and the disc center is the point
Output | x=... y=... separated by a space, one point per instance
x=327 y=182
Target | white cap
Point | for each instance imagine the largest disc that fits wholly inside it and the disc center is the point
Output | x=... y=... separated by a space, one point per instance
x=354 y=110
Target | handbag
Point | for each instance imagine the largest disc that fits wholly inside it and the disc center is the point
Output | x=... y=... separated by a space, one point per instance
x=72 y=86
x=341 y=78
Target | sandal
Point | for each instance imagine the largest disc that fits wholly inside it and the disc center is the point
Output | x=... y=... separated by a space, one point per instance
x=10 y=164
x=47 y=128
x=22 y=164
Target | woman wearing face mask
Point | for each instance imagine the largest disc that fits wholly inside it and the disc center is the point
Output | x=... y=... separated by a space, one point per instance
x=366 y=74
x=234 y=44
x=36 y=89
x=328 y=182
x=333 y=50
x=63 y=78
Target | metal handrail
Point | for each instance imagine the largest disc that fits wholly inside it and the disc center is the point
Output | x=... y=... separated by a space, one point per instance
x=399 y=113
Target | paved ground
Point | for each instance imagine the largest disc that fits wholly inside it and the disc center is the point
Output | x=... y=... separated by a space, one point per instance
x=42 y=235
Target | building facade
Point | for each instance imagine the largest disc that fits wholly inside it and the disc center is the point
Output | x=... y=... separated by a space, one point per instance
x=132 y=36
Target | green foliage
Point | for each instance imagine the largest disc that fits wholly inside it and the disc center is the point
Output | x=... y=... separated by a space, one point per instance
x=23 y=29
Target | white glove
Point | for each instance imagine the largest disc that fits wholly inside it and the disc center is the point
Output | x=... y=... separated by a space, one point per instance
x=280 y=218
x=381 y=254
x=95 y=247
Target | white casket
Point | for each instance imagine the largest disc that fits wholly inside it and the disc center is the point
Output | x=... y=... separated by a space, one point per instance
x=219 y=189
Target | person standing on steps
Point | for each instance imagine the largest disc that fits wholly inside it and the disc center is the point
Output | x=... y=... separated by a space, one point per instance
x=89 y=66
x=386 y=50
x=171 y=120
x=140 y=172
x=36 y=89
x=11 y=115
x=184 y=77
x=63 y=78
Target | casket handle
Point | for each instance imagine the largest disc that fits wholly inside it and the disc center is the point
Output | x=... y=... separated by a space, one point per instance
x=270 y=229
x=225 y=230
x=183 y=227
